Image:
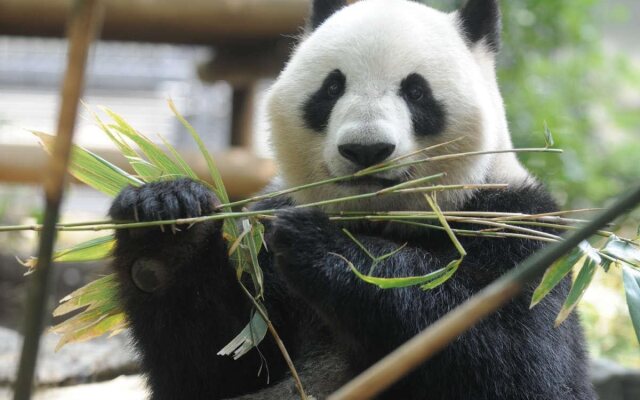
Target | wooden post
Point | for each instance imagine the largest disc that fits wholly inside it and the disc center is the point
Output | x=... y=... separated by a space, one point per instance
x=84 y=20
x=242 y=114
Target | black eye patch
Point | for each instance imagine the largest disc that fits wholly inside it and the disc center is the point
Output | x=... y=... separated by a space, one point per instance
x=427 y=114
x=317 y=109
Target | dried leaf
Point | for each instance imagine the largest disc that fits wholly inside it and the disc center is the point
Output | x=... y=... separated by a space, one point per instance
x=252 y=334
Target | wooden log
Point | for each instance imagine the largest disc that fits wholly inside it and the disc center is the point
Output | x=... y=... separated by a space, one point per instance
x=243 y=173
x=165 y=21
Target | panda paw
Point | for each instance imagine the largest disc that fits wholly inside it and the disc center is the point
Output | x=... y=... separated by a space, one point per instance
x=165 y=200
x=298 y=236
x=149 y=257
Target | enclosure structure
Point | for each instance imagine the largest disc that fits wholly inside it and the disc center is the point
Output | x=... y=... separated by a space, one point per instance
x=407 y=357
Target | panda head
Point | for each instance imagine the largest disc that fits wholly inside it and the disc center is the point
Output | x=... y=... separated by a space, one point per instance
x=379 y=79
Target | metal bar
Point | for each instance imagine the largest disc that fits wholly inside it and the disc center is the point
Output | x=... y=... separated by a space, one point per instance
x=84 y=19
x=433 y=339
x=163 y=21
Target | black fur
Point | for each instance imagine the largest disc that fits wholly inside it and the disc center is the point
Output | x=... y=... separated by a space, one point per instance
x=317 y=109
x=323 y=9
x=481 y=19
x=514 y=354
x=427 y=114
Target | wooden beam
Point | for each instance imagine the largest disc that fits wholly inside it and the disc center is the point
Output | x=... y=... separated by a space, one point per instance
x=243 y=173
x=165 y=21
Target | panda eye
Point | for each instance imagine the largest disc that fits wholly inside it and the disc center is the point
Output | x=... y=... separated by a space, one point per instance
x=334 y=89
x=415 y=93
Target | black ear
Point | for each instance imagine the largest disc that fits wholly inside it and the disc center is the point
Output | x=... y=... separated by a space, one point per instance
x=323 y=9
x=480 y=19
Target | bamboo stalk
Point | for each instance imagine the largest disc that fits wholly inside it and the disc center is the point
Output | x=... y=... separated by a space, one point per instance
x=83 y=23
x=279 y=343
x=434 y=338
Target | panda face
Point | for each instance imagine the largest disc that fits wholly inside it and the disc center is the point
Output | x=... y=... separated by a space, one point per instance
x=377 y=80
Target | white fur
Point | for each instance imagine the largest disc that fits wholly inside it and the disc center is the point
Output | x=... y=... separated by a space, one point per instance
x=376 y=44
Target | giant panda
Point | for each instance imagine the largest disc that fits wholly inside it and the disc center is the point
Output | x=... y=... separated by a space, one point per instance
x=368 y=82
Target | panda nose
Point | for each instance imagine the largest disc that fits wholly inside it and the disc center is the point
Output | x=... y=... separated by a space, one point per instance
x=366 y=155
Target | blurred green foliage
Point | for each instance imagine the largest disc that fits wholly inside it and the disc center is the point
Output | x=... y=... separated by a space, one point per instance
x=553 y=68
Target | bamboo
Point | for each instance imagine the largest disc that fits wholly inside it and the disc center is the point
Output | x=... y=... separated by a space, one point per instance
x=433 y=339
x=83 y=22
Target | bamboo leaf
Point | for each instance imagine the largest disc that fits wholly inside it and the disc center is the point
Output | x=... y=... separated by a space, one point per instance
x=88 y=326
x=115 y=138
x=556 y=273
x=623 y=250
x=92 y=169
x=362 y=247
x=395 y=283
x=253 y=243
x=631 y=279
x=91 y=250
x=219 y=188
x=94 y=294
x=101 y=312
x=248 y=338
x=179 y=160
x=580 y=285
x=447 y=273
x=146 y=171
x=152 y=151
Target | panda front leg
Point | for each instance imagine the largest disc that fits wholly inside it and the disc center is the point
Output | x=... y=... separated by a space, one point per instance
x=181 y=296
x=515 y=354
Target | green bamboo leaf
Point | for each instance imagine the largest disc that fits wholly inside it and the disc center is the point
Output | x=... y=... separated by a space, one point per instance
x=623 y=250
x=252 y=334
x=362 y=247
x=253 y=242
x=146 y=171
x=115 y=138
x=219 y=188
x=92 y=169
x=91 y=250
x=395 y=283
x=557 y=272
x=179 y=160
x=447 y=273
x=579 y=287
x=153 y=152
x=631 y=279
